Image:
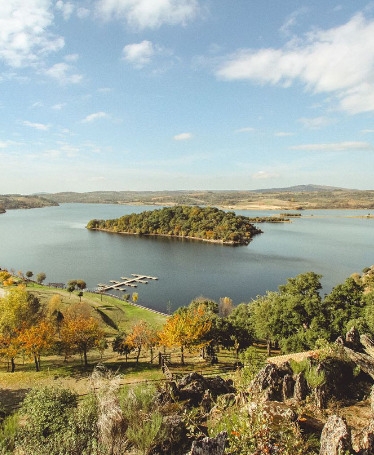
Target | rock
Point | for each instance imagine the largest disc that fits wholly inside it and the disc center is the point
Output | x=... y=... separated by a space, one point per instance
x=372 y=401
x=352 y=339
x=268 y=383
x=193 y=389
x=288 y=386
x=210 y=446
x=275 y=411
x=335 y=437
x=301 y=388
x=368 y=344
x=176 y=439
x=364 y=361
x=367 y=440
x=321 y=396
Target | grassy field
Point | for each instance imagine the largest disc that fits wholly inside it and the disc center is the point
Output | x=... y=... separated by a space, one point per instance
x=115 y=315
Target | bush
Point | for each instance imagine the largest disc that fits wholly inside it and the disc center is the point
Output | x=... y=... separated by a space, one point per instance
x=55 y=425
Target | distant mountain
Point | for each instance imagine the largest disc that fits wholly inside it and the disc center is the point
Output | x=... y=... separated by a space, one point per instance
x=301 y=189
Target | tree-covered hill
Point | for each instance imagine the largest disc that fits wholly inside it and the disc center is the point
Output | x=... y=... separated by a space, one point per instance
x=18 y=201
x=208 y=224
x=292 y=198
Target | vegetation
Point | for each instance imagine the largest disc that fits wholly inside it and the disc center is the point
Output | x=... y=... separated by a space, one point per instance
x=207 y=223
x=17 y=201
x=292 y=198
x=110 y=417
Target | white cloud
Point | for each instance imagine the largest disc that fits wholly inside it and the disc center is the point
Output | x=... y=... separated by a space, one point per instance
x=367 y=131
x=25 y=35
x=315 y=123
x=139 y=54
x=59 y=106
x=335 y=147
x=71 y=57
x=264 y=175
x=93 y=117
x=183 y=137
x=338 y=61
x=37 y=126
x=247 y=129
x=64 y=73
x=148 y=13
x=66 y=8
x=291 y=20
x=82 y=13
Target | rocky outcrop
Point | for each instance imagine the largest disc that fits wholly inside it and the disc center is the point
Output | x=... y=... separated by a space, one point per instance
x=335 y=437
x=269 y=382
x=196 y=390
x=210 y=446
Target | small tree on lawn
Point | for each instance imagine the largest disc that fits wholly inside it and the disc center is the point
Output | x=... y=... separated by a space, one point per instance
x=80 y=334
x=40 y=277
x=36 y=340
x=29 y=275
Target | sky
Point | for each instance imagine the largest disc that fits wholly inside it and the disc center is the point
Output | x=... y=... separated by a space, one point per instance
x=133 y=95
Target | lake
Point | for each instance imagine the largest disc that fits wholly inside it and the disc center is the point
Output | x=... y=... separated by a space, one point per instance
x=54 y=240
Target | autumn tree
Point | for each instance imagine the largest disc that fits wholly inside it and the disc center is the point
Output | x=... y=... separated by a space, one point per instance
x=54 y=312
x=4 y=277
x=186 y=328
x=141 y=336
x=225 y=306
x=18 y=310
x=121 y=346
x=36 y=340
x=80 y=334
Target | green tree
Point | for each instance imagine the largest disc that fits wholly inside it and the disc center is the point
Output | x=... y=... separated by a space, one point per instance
x=40 y=277
x=343 y=304
x=29 y=275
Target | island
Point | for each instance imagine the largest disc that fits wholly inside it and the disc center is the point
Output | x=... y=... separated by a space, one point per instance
x=208 y=224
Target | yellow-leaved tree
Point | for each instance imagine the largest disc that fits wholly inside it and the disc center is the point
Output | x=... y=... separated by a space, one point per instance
x=186 y=328
x=36 y=340
x=18 y=310
x=80 y=333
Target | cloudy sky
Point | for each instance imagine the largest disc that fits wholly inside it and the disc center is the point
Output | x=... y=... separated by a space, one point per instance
x=185 y=94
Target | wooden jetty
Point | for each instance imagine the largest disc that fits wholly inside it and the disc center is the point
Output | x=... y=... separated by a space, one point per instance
x=130 y=282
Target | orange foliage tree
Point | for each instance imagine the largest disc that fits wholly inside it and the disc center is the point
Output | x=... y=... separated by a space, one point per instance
x=80 y=334
x=37 y=339
x=187 y=328
x=141 y=335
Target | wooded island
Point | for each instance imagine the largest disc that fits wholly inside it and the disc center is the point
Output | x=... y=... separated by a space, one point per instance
x=206 y=224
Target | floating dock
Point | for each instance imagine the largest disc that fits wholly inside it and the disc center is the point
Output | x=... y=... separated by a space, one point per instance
x=130 y=282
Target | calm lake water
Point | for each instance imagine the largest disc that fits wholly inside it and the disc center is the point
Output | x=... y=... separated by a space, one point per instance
x=333 y=243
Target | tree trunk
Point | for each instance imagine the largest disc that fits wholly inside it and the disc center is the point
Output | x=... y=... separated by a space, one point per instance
x=138 y=354
x=85 y=357
x=182 y=354
x=37 y=366
x=13 y=365
x=268 y=344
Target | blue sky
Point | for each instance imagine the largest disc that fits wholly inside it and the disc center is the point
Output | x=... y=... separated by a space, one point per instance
x=185 y=94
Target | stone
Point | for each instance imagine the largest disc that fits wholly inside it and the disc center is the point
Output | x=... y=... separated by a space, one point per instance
x=301 y=388
x=335 y=437
x=268 y=383
x=288 y=386
x=210 y=446
x=352 y=339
